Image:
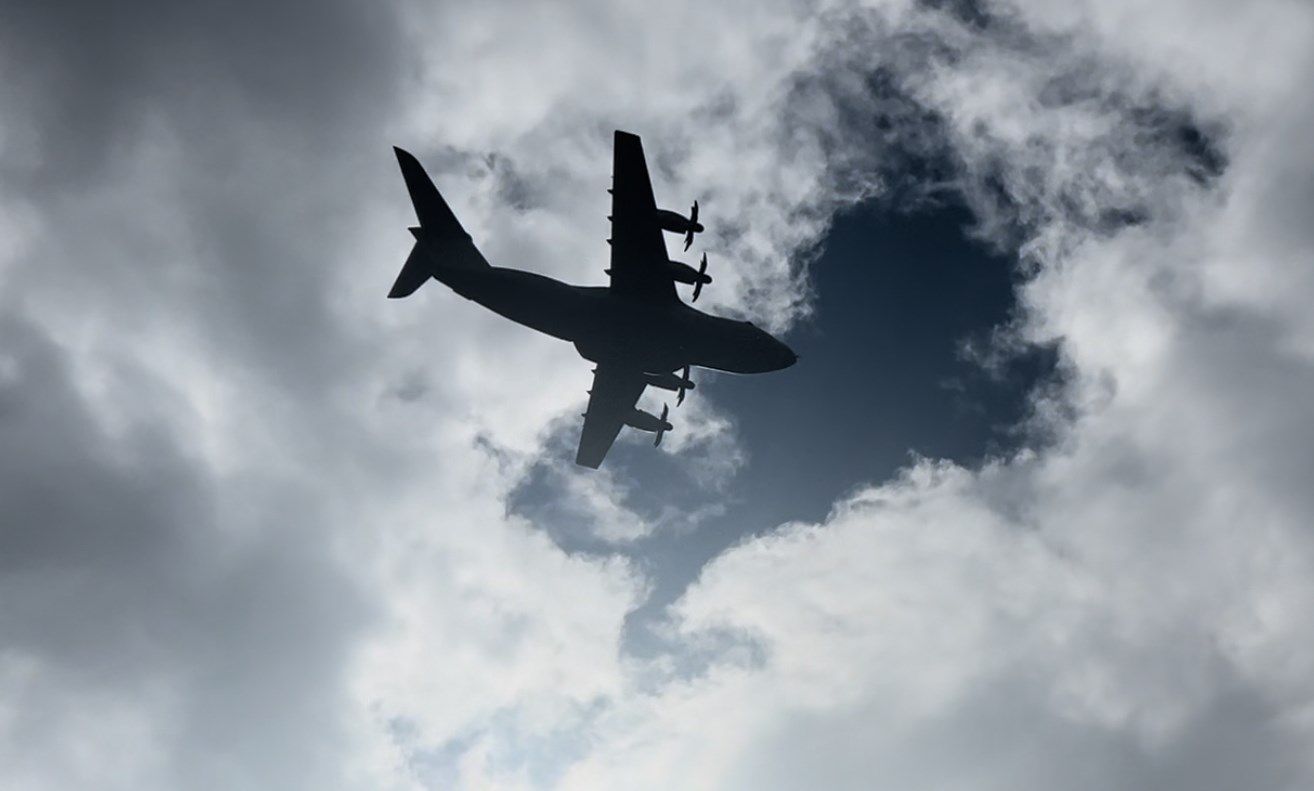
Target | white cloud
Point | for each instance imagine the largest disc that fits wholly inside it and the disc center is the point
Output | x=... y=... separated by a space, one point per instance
x=1122 y=608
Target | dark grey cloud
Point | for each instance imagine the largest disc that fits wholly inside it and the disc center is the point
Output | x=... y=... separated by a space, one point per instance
x=64 y=475
x=254 y=117
x=186 y=165
x=121 y=576
x=87 y=79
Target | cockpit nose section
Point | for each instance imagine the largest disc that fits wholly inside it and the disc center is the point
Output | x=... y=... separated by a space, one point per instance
x=784 y=356
x=773 y=354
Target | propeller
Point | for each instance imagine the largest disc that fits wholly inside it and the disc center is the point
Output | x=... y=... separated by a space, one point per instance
x=679 y=395
x=693 y=226
x=698 y=284
x=662 y=428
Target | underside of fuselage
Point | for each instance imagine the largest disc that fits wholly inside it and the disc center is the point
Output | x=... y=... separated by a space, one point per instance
x=608 y=328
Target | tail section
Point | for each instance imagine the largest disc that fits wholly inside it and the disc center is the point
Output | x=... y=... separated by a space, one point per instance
x=430 y=207
x=440 y=241
x=415 y=272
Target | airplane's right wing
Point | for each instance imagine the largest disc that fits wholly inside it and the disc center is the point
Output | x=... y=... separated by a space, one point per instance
x=611 y=401
x=638 y=249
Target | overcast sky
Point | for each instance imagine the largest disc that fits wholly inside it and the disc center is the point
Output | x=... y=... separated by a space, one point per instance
x=261 y=528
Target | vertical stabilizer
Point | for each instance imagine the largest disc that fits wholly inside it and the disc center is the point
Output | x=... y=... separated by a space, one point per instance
x=433 y=212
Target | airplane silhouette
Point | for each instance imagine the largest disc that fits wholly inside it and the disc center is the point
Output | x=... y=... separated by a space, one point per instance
x=637 y=329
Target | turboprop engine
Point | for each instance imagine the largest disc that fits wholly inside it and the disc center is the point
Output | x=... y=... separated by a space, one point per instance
x=676 y=382
x=683 y=273
x=678 y=223
x=646 y=421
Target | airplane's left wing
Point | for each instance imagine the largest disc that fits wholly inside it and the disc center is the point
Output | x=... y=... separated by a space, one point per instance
x=638 y=249
x=611 y=401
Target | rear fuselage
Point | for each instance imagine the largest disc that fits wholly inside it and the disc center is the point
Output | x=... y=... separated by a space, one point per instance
x=606 y=327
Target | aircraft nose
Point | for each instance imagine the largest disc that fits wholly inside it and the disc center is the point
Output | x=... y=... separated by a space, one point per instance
x=784 y=355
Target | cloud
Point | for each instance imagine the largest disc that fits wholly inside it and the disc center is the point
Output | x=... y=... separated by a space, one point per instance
x=258 y=530
x=1122 y=608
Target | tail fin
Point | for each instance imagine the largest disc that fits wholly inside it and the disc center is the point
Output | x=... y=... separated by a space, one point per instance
x=434 y=214
x=440 y=241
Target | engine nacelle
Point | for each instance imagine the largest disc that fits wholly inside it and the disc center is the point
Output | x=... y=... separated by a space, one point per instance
x=669 y=381
x=646 y=421
x=676 y=222
x=683 y=273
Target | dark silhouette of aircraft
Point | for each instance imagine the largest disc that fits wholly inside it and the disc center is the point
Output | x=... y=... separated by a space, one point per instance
x=637 y=329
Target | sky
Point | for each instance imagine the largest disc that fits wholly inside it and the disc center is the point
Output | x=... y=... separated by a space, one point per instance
x=1032 y=510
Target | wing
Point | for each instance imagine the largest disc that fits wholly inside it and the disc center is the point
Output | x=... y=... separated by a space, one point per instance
x=611 y=400
x=638 y=249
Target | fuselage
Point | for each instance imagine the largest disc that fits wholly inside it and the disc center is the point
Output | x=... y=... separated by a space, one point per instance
x=605 y=327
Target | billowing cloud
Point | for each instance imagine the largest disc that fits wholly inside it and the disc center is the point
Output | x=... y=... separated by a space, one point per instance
x=1122 y=607
x=256 y=527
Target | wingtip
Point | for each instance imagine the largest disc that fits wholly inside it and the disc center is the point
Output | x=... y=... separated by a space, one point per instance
x=589 y=463
x=403 y=156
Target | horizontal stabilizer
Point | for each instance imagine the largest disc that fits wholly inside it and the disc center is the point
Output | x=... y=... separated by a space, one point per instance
x=414 y=274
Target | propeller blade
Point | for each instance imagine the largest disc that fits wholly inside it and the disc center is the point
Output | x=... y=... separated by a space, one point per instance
x=693 y=223
x=698 y=284
x=679 y=395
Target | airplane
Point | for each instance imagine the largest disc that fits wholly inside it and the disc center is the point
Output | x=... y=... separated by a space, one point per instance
x=636 y=330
